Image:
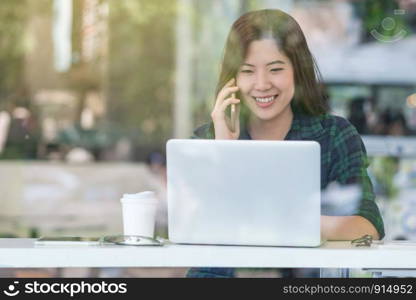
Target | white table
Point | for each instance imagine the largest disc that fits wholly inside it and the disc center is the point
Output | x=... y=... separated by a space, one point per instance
x=22 y=253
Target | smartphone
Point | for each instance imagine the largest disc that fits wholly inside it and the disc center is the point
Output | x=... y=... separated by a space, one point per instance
x=67 y=240
x=233 y=116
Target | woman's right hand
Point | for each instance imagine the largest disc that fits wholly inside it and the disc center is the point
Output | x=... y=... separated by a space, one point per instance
x=222 y=123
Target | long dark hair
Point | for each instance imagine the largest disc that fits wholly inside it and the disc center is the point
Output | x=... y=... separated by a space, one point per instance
x=309 y=96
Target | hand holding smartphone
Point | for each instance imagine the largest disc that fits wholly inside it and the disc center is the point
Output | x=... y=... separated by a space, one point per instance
x=226 y=111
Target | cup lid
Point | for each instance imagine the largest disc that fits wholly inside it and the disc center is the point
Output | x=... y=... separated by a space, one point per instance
x=142 y=196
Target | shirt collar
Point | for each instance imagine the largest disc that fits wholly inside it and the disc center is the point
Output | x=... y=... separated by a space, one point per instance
x=304 y=127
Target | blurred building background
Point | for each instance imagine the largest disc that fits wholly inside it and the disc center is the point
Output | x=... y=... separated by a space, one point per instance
x=91 y=90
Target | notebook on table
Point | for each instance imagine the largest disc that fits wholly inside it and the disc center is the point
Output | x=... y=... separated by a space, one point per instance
x=240 y=192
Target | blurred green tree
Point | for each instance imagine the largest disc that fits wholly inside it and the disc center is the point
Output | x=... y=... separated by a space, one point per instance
x=142 y=68
x=13 y=16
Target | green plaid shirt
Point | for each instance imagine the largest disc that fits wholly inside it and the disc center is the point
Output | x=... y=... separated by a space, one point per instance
x=343 y=156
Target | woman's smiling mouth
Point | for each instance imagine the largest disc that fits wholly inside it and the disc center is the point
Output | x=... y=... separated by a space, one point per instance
x=264 y=102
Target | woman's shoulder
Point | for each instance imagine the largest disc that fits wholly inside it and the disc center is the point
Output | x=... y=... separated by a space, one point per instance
x=342 y=134
x=336 y=123
x=324 y=125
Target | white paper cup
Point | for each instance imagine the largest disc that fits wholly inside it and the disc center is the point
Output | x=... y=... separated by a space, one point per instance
x=139 y=213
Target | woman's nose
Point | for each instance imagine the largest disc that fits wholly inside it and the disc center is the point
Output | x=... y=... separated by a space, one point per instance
x=262 y=82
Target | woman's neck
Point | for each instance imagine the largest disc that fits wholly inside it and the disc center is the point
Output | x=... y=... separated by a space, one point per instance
x=274 y=129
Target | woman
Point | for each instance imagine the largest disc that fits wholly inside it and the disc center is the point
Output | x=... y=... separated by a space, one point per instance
x=269 y=74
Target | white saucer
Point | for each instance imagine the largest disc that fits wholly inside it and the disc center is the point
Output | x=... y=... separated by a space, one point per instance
x=132 y=240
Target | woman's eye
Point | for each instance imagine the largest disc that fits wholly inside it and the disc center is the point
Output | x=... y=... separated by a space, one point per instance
x=246 y=71
x=276 y=69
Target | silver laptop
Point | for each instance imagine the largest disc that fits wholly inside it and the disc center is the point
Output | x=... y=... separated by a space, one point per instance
x=235 y=192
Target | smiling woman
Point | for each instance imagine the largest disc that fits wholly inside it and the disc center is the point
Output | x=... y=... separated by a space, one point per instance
x=266 y=85
x=269 y=74
x=267 y=52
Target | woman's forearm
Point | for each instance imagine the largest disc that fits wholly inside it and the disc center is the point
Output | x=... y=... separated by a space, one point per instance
x=346 y=228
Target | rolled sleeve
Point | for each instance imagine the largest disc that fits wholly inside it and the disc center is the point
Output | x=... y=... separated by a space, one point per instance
x=203 y=132
x=350 y=167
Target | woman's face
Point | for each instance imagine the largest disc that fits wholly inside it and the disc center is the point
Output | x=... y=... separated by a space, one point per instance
x=266 y=80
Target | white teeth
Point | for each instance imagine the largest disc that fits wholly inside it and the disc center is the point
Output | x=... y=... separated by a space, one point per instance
x=265 y=100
